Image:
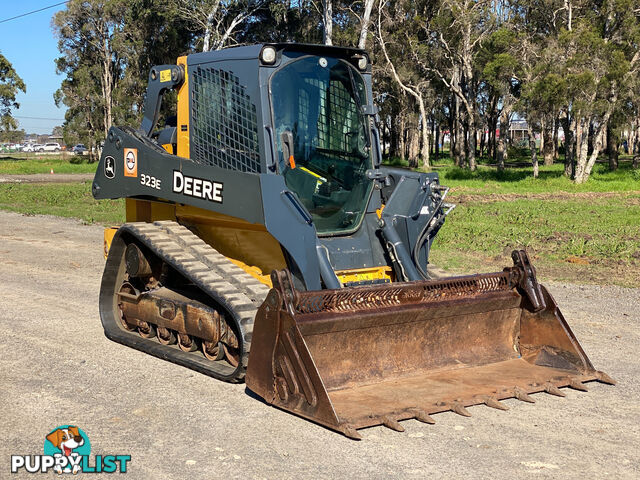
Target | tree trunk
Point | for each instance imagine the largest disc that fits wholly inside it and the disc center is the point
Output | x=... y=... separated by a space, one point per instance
x=556 y=127
x=534 y=150
x=569 y=138
x=107 y=80
x=547 y=140
x=612 y=148
x=582 y=149
x=364 y=26
x=414 y=145
x=436 y=145
x=471 y=151
x=584 y=167
x=451 y=119
x=459 y=145
x=401 y=138
x=491 y=141
x=393 y=138
x=424 y=129
x=465 y=136
x=501 y=147
x=327 y=21
x=208 y=32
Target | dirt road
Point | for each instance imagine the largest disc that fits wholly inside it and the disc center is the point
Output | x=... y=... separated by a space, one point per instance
x=58 y=368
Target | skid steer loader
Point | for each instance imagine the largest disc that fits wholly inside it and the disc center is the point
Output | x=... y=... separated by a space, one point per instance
x=265 y=238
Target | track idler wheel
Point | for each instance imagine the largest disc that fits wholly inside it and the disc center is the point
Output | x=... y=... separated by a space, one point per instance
x=147 y=330
x=213 y=350
x=186 y=342
x=232 y=355
x=166 y=336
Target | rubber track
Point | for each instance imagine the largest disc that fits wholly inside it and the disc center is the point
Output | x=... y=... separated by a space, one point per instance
x=226 y=283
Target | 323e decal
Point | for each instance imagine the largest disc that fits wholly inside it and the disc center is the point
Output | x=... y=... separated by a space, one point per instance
x=149 y=181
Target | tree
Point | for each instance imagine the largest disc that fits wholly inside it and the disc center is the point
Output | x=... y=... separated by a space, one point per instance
x=216 y=21
x=108 y=48
x=451 y=42
x=500 y=71
x=86 y=32
x=12 y=136
x=10 y=85
x=411 y=85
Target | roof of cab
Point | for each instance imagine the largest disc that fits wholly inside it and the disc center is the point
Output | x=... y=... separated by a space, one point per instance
x=247 y=52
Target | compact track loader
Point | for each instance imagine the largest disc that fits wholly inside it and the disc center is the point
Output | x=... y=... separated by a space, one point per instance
x=264 y=238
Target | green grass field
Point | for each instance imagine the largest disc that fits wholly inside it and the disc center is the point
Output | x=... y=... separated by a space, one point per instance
x=591 y=238
x=29 y=163
x=487 y=180
x=61 y=199
x=581 y=233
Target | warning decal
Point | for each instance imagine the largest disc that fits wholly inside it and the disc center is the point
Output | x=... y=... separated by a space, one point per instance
x=130 y=162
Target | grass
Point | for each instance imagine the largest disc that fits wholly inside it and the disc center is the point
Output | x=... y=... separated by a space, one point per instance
x=61 y=199
x=487 y=180
x=594 y=240
x=27 y=164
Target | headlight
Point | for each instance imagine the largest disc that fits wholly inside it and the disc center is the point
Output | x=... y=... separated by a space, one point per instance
x=268 y=55
x=362 y=63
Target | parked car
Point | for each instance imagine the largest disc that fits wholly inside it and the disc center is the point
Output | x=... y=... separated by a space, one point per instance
x=28 y=147
x=80 y=149
x=9 y=147
x=50 y=147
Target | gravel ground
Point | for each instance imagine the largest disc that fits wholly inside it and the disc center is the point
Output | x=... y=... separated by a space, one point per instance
x=58 y=368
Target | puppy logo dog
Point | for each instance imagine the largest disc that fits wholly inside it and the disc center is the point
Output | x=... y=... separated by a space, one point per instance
x=67 y=440
x=67 y=449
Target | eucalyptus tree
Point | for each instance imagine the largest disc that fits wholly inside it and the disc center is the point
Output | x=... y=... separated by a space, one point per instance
x=10 y=85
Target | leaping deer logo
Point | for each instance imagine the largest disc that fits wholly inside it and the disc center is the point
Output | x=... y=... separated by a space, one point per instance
x=109 y=167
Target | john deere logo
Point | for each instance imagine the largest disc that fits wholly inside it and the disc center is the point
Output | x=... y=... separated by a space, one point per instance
x=67 y=450
x=109 y=167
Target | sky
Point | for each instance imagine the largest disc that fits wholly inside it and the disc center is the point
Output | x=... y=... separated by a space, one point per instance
x=29 y=44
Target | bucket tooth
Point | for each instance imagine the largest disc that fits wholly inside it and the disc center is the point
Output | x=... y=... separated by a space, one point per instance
x=522 y=395
x=460 y=410
x=392 y=424
x=423 y=416
x=577 y=385
x=551 y=389
x=494 y=403
x=350 y=432
x=604 y=378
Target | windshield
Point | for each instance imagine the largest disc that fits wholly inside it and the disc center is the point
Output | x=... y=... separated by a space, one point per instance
x=317 y=103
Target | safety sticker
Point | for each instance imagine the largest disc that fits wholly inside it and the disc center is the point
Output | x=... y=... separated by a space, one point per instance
x=165 y=75
x=130 y=162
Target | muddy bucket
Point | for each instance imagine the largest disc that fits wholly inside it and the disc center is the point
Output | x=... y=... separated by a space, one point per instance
x=376 y=355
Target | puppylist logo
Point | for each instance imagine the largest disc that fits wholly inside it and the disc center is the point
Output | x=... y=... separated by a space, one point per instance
x=67 y=450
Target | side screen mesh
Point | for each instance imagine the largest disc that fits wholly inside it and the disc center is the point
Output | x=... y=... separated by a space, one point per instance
x=224 y=122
